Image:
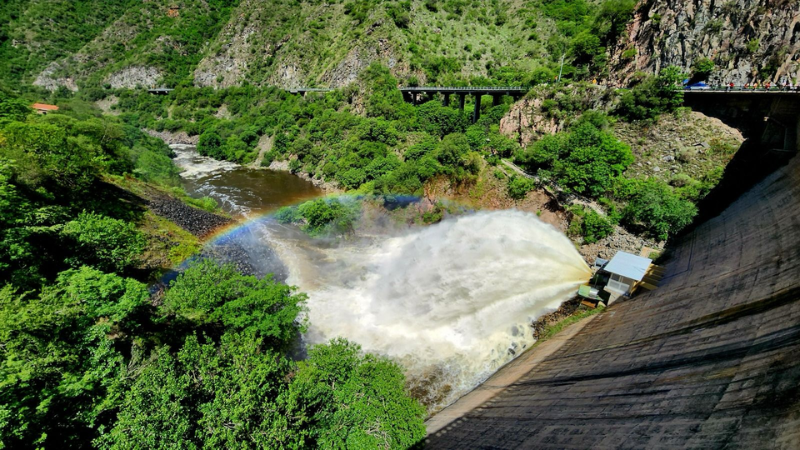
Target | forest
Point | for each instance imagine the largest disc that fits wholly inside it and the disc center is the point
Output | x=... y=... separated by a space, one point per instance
x=92 y=357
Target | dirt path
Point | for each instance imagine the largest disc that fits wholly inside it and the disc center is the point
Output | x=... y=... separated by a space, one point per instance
x=504 y=378
x=516 y=168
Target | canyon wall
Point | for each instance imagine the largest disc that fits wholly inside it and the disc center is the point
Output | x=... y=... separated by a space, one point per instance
x=747 y=39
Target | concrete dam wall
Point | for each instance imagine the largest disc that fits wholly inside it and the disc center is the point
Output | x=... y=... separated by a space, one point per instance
x=711 y=359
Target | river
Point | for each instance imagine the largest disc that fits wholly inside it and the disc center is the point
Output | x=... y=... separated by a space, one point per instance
x=450 y=302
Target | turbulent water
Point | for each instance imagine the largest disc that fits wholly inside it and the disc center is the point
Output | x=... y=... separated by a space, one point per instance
x=451 y=302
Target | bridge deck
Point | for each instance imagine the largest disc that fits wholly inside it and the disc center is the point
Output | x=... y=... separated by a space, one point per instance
x=301 y=90
x=485 y=90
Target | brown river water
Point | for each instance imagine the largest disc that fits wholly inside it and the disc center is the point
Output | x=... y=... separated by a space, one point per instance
x=240 y=191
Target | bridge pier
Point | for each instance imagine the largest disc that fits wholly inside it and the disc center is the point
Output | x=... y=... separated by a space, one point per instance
x=446 y=100
x=476 y=113
x=462 y=101
x=497 y=99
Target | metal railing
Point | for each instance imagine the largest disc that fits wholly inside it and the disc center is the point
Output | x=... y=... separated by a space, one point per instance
x=743 y=89
x=309 y=89
x=465 y=88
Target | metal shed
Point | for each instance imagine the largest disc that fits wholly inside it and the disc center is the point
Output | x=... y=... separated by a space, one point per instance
x=626 y=271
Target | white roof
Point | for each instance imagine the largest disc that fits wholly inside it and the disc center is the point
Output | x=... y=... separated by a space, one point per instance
x=628 y=265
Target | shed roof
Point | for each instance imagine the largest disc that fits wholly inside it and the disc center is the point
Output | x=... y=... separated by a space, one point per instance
x=44 y=107
x=628 y=265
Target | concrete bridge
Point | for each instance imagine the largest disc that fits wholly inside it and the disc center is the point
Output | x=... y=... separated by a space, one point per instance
x=414 y=94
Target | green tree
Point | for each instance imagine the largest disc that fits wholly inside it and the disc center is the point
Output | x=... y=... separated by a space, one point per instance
x=593 y=159
x=210 y=144
x=107 y=243
x=12 y=108
x=60 y=355
x=341 y=398
x=439 y=120
x=519 y=187
x=209 y=293
x=655 y=208
x=652 y=96
x=585 y=160
x=206 y=395
x=612 y=18
x=702 y=68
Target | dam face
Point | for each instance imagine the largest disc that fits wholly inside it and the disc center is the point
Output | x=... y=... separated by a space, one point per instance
x=710 y=359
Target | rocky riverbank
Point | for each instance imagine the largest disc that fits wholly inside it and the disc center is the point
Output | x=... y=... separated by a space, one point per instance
x=196 y=221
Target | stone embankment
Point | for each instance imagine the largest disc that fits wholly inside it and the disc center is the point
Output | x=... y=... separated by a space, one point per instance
x=196 y=221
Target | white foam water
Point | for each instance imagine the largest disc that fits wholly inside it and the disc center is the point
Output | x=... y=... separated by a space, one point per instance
x=451 y=302
x=195 y=165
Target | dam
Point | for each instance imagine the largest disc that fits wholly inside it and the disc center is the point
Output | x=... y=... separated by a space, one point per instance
x=708 y=360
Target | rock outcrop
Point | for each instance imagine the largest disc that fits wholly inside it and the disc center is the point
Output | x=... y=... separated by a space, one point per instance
x=51 y=80
x=747 y=39
x=546 y=109
x=528 y=122
x=179 y=137
x=133 y=77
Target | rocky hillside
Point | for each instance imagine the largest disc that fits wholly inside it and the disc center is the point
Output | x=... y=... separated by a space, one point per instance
x=748 y=40
x=223 y=43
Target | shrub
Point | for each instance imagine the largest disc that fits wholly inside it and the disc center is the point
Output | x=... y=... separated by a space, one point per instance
x=212 y=293
x=595 y=227
x=519 y=187
x=652 y=96
x=107 y=243
x=654 y=207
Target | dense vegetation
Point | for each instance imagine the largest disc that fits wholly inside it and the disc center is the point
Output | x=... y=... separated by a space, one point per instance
x=91 y=357
x=451 y=42
x=373 y=142
x=587 y=159
x=393 y=148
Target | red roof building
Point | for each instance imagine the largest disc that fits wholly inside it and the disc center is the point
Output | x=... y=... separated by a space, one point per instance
x=43 y=108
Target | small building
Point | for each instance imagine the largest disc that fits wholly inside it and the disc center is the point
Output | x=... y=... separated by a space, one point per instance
x=626 y=272
x=43 y=108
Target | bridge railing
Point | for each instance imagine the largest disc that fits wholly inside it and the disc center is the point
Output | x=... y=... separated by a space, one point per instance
x=760 y=89
x=465 y=88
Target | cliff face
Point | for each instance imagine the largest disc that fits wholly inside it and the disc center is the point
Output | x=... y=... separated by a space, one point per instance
x=747 y=39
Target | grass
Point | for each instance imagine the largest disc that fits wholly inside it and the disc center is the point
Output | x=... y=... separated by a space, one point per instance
x=555 y=328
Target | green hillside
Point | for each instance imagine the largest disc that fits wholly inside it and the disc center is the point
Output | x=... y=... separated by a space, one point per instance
x=84 y=43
